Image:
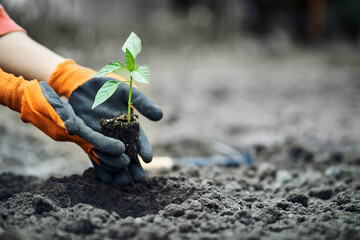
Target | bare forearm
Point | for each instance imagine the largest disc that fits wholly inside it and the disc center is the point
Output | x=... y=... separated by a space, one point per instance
x=21 y=55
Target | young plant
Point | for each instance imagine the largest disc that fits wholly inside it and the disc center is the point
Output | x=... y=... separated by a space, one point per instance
x=131 y=48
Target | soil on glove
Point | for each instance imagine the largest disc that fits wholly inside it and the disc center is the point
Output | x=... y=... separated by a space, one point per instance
x=291 y=193
x=128 y=133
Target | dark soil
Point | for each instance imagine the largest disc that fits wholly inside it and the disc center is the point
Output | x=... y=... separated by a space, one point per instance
x=128 y=133
x=12 y=184
x=286 y=195
x=136 y=200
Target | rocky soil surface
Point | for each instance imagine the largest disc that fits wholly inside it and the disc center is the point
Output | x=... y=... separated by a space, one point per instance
x=290 y=193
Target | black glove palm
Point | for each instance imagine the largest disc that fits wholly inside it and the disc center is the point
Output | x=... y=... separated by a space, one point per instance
x=82 y=99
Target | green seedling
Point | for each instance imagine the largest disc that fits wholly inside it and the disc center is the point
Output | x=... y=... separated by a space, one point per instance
x=131 y=48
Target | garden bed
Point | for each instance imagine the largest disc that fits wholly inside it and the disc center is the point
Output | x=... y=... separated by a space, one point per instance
x=291 y=193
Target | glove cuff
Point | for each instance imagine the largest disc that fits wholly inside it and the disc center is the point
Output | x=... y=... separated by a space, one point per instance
x=68 y=76
x=12 y=90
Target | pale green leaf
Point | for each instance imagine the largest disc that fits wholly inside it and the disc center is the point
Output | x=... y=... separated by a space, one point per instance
x=109 y=68
x=106 y=91
x=141 y=74
x=133 y=43
x=129 y=60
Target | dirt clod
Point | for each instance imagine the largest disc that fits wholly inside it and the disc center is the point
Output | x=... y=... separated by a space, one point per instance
x=298 y=198
x=322 y=193
x=42 y=204
x=83 y=226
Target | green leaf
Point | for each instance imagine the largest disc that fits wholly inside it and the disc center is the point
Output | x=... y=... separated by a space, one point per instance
x=109 y=68
x=106 y=91
x=129 y=60
x=133 y=43
x=141 y=74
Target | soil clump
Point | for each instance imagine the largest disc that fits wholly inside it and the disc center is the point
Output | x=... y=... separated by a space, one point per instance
x=127 y=132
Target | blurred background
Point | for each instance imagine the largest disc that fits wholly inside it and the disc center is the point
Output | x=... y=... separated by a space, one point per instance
x=247 y=73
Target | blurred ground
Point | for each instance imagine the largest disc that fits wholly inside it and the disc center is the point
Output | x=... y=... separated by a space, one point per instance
x=235 y=87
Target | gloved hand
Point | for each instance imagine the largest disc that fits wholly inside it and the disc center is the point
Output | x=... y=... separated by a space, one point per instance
x=75 y=82
x=39 y=105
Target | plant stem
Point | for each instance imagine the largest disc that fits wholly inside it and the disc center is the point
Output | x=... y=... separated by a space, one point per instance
x=129 y=102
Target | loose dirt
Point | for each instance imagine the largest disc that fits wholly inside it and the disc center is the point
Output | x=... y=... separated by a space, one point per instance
x=291 y=193
x=128 y=133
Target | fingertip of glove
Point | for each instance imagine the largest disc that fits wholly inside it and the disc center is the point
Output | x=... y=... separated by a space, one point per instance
x=137 y=173
x=146 y=157
x=141 y=177
x=105 y=177
x=122 y=178
x=108 y=161
x=115 y=148
x=145 y=149
x=125 y=160
x=156 y=114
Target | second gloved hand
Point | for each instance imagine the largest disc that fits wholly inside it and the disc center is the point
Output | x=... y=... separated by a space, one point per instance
x=75 y=82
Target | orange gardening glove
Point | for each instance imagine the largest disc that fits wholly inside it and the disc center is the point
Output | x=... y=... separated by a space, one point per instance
x=39 y=105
